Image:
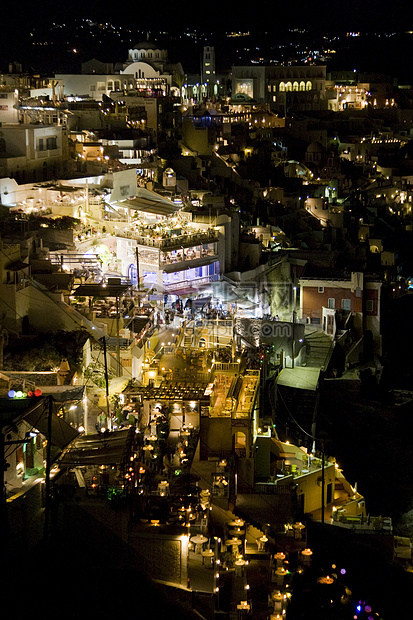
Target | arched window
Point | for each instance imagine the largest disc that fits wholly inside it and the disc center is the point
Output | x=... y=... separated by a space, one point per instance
x=309 y=86
x=282 y=87
x=133 y=273
x=295 y=86
x=288 y=86
x=302 y=85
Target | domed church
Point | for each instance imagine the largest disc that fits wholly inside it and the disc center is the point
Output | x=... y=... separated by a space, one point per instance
x=152 y=70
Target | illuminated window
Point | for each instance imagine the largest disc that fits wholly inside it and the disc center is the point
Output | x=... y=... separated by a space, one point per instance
x=282 y=87
x=302 y=85
x=295 y=86
x=288 y=86
x=309 y=86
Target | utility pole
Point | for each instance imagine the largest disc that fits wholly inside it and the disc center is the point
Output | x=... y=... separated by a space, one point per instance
x=48 y=468
x=106 y=383
x=3 y=513
x=117 y=338
x=138 y=275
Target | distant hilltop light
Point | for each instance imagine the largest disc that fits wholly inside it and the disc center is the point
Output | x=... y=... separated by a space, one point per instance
x=238 y=34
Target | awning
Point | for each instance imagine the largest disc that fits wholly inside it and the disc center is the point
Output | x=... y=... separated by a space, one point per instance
x=148 y=202
x=17 y=266
x=300 y=377
x=137 y=324
x=63 y=393
x=97 y=290
x=235 y=388
x=36 y=414
x=100 y=449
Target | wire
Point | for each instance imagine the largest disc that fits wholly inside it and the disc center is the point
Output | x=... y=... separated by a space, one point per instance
x=292 y=417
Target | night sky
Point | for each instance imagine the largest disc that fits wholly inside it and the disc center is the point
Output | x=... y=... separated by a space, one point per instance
x=265 y=15
x=25 y=23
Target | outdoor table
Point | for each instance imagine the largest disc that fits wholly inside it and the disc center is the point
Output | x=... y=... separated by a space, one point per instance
x=306 y=553
x=279 y=558
x=207 y=555
x=233 y=542
x=325 y=580
x=261 y=542
x=279 y=574
x=298 y=528
x=239 y=565
x=277 y=598
x=198 y=540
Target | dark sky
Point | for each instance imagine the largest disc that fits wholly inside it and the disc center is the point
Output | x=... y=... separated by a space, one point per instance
x=266 y=14
x=21 y=18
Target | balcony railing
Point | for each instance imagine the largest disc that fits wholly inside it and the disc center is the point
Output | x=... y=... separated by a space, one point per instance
x=171 y=243
x=184 y=284
x=182 y=256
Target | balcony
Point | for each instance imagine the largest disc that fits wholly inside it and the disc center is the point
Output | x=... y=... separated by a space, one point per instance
x=207 y=252
x=176 y=242
x=184 y=285
x=187 y=241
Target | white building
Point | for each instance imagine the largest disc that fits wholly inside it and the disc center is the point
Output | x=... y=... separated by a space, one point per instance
x=32 y=152
x=9 y=99
x=298 y=87
x=91 y=86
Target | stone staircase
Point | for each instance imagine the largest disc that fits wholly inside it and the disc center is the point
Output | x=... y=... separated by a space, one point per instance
x=317 y=345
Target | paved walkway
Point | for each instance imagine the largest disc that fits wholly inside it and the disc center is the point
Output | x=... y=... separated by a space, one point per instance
x=201 y=576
